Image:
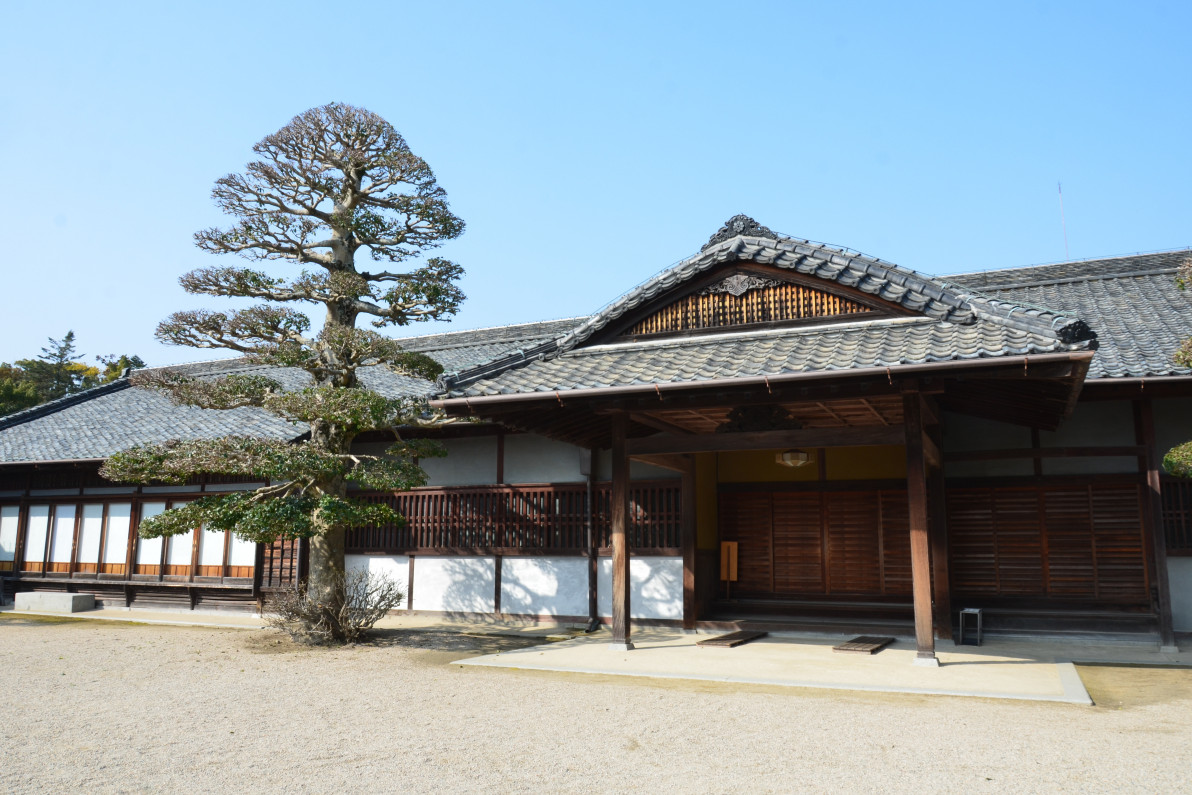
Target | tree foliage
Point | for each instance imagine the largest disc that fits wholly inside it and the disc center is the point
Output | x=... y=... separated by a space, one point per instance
x=56 y=373
x=1178 y=460
x=335 y=185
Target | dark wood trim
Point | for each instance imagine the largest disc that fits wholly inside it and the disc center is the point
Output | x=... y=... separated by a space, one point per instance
x=1124 y=451
x=887 y=484
x=501 y=457
x=74 y=544
x=650 y=421
x=18 y=557
x=497 y=583
x=767 y=440
x=619 y=515
x=258 y=568
x=103 y=540
x=1153 y=519
x=410 y=585
x=134 y=534
x=50 y=522
x=937 y=523
x=916 y=482
x=690 y=609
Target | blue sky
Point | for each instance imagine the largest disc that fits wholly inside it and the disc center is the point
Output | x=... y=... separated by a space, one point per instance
x=590 y=145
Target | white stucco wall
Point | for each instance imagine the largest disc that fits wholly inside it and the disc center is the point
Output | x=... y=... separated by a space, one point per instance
x=1173 y=422
x=1098 y=423
x=962 y=432
x=536 y=459
x=1179 y=573
x=544 y=586
x=656 y=587
x=469 y=462
x=454 y=584
x=637 y=470
x=396 y=567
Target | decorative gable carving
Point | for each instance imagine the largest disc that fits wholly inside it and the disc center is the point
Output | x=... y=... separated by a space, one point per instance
x=744 y=300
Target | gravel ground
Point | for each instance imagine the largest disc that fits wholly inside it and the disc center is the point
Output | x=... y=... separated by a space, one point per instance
x=110 y=707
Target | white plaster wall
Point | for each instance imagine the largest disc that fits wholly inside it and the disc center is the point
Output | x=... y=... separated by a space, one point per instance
x=637 y=469
x=454 y=584
x=961 y=432
x=469 y=462
x=544 y=586
x=656 y=587
x=1179 y=574
x=536 y=459
x=1101 y=423
x=396 y=567
x=1173 y=422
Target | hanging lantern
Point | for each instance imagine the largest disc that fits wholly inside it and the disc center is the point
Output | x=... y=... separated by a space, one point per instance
x=793 y=458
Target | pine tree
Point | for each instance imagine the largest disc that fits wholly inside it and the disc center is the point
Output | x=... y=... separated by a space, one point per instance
x=334 y=184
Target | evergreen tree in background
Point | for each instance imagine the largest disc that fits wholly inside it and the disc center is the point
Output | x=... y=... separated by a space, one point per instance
x=58 y=372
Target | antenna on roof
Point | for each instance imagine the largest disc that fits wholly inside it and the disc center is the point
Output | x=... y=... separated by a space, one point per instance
x=1063 y=223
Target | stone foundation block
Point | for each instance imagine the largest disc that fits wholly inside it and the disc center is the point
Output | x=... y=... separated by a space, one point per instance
x=44 y=602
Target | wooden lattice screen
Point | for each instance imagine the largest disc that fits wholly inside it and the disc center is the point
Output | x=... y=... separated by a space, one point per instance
x=548 y=517
x=1177 y=516
x=776 y=303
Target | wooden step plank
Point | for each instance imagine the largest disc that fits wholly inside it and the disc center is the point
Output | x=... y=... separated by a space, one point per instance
x=864 y=644
x=732 y=639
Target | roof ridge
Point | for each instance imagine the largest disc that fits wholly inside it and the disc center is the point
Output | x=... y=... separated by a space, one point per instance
x=1067 y=262
x=1071 y=279
x=508 y=327
x=64 y=402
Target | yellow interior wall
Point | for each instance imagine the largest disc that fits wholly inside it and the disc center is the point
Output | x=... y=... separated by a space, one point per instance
x=706 y=531
x=867 y=463
x=758 y=466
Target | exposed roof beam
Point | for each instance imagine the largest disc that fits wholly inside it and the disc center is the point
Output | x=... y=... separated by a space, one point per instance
x=766 y=440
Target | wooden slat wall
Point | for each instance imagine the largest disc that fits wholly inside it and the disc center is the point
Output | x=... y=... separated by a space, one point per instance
x=762 y=305
x=798 y=548
x=1072 y=543
x=805 y=543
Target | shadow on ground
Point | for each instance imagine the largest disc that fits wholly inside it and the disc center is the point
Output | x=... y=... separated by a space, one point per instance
x=449 y=642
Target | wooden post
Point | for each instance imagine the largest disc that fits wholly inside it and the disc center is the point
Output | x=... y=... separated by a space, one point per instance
x=687 y=541
x=1153 y=521
x=916 y=490
x=938 y=525
x=497 y=585
x=619 y=515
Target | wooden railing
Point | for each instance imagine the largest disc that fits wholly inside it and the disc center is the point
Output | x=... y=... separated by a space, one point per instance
x=1177 y=515
x=521 y=519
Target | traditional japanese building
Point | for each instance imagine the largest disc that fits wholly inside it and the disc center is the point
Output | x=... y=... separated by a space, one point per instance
x=773 y=432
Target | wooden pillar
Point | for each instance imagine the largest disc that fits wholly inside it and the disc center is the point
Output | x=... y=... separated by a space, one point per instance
x=1153 y=521
x=916 y=490
x=619 y=515
x=687 y=540
x=938 y=526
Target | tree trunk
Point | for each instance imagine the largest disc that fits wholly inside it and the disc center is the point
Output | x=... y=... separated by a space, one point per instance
x=325 y=583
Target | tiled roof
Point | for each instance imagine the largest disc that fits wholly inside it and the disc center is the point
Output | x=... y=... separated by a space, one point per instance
x=1133 y=304
x=954 y=322
x=116 y=416
x=883 y=343
x=1080 y=270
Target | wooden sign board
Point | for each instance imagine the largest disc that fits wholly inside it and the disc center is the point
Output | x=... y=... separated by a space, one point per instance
x=728 y=561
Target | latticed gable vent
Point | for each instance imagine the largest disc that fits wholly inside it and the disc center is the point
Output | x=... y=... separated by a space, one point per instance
x=745 y=299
